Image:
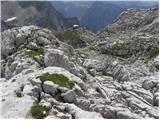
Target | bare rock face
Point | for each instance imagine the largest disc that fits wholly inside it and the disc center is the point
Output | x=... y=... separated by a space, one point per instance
x=55 y=57
x=49 y=87
x=69 y=97
x=40 y=71
x=31 y=13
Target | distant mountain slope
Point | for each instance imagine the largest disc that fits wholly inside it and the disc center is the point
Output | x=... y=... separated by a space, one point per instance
x=101 y=14
x=134 y=32
x=39 y=13
x=72 y=8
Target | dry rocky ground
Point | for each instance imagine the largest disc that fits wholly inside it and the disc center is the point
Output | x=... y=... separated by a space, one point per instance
x=79 y=74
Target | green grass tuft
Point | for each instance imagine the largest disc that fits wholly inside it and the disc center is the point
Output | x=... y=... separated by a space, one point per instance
x=33 y=30
x=71 y=37
x=58 y=97
x=108 y=74
x=89 y=72
x=19 y=94
x=37 y=111
x=56 y=44
x=59 y=79
x=33 y=53
x=149 y=55
x=153 y=53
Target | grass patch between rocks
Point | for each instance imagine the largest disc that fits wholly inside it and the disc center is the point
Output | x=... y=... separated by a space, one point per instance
x=108 y=74
x=33 y=30
x=59 y=79
x=33 y=53
x=152 y=53
x=19 y=94
x=71 y=37
x=58 y=97
x=149 y=55
x=37 y=111
x=90 y=72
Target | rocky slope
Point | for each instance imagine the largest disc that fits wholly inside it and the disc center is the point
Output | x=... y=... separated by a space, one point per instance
x=31 y=13
x=44 y=77
x=102 y=13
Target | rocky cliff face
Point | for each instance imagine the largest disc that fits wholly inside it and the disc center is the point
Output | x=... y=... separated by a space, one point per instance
x=40 y=13
x=114 y=75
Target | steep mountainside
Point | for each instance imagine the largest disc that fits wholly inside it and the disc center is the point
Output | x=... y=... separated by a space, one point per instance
x=72 y=8
x=40 y=13
x=127 y=34
x=111 y=75
x=101 y=14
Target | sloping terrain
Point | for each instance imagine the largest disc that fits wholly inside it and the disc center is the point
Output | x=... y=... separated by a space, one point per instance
x=115 y=75
x=102 y=13
x=78 y=38
x=129 y=32
x=40 y=13
x=72 y=8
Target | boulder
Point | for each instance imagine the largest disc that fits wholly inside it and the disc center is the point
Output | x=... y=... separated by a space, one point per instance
x=127 y=115
x=106 y=111
x=32 y=46
x=55 y=57
x=43 y=41
x=78 y=113
x=148 y=84
x=83 y=103
x=69 y=96
x=36 y=82
x=49 y=87
x=45 y=104
x=98 y=65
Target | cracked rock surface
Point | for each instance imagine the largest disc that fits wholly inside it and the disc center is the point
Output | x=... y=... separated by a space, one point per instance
x=111 y=78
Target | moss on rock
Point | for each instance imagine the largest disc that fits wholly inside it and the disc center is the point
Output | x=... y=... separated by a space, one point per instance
x=59 y=79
